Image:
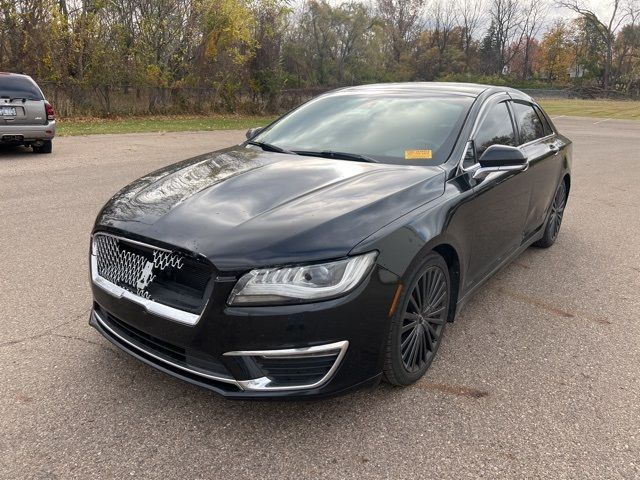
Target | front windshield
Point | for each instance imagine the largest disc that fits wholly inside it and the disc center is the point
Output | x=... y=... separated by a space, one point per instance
x=392 y=128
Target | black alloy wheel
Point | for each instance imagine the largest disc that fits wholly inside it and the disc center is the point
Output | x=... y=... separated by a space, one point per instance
x=555 y=218
x=419 y=322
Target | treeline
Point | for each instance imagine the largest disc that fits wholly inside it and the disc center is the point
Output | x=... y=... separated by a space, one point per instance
x=250 y=51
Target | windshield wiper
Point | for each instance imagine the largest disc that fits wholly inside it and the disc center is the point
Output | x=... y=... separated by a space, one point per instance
x=269 y=147
x=337 y=155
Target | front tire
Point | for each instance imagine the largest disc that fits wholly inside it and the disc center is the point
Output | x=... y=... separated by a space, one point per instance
x=552 y=229
x=419 y=322
x=46 y=147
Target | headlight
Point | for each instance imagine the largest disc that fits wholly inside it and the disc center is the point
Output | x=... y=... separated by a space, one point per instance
x=301 y=283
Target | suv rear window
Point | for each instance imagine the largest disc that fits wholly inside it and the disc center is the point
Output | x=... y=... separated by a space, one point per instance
x=12 y=86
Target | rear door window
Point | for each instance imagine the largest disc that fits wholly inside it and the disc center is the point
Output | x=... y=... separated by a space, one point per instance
x=496 y=129
x=530 y=127
x=13 y=86
x=547 y=127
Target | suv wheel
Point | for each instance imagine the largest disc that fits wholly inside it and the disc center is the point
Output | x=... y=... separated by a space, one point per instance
x=46 y=147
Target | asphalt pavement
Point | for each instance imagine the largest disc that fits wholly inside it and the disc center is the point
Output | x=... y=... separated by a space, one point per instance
x=539 y=377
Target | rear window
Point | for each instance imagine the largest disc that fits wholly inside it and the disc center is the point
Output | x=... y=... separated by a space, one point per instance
x=547 y=127
x=12 y=86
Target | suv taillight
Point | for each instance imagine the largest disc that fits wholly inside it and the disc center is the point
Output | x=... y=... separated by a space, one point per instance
x=51 y=113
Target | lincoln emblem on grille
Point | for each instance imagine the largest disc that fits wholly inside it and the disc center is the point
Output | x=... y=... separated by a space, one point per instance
x=146 y=277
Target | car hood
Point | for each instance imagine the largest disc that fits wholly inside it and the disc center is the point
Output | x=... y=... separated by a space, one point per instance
x=242 y=207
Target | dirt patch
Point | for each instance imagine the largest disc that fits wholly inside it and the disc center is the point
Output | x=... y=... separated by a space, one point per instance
x=457 y=390
x=23 y=398
x=536 y=302
x=521 y=265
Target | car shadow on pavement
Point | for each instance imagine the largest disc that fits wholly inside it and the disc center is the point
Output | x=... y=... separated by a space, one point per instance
x=6 y=150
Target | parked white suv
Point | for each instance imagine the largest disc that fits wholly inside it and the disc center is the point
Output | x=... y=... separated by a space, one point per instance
x=26 y=118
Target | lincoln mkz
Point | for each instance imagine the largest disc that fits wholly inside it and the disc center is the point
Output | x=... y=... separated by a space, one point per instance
x=332 y=247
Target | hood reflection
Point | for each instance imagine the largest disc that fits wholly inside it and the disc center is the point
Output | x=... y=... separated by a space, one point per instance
x=241 y=206
x=155 y=194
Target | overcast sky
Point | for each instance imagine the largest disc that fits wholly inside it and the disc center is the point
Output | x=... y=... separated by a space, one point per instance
x=600 y=7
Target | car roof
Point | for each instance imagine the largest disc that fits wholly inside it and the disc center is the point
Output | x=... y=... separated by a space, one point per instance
x=424 y=88
x=19 y=75
x=11 y=74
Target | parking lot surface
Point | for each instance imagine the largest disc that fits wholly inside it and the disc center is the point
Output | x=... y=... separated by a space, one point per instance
x=539 y=377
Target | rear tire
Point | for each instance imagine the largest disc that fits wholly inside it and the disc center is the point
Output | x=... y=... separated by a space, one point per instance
x=419 y=322
x=46 y=147
x=554 y=221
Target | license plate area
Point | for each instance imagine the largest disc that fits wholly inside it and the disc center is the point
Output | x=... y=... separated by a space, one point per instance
x=8 y=111
x=12 y=138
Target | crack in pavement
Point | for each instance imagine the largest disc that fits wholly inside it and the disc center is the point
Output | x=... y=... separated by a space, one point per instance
x=48 y=332
x=84 y=340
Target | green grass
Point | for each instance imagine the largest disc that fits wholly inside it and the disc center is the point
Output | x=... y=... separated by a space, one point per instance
x=621 y=109
x=90 y=126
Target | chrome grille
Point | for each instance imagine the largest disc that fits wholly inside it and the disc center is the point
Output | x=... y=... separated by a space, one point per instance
x=153 y=277
x=131 y=267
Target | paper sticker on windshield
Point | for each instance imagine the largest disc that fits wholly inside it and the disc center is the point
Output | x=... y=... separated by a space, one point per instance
x=417 y=154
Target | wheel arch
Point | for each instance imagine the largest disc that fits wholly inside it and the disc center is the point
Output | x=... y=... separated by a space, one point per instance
x=402 y=246
x=567 y=182
x=450 y=255
x=448 y=251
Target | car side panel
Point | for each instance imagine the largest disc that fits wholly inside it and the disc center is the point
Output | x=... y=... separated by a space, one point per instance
x=496 y=220
x=545 y=167
x=442 y=221
x=460 y=217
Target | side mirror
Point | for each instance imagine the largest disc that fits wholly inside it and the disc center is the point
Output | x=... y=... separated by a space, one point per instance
x=501 y=158
x=252 y=132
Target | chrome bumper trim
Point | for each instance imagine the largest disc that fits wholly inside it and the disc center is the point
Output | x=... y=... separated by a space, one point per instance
x=111 y=331
x=262 y=384
x=265 y=384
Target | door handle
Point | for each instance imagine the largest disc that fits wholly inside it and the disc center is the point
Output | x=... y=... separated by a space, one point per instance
x=554 y=148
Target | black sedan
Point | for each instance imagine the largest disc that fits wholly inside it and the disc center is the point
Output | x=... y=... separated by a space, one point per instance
x=332 y=247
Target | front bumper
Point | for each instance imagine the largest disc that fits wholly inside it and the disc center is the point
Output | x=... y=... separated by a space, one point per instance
x=295 y=351
x=27 y=133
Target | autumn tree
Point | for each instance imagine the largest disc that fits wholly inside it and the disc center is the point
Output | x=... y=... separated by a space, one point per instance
x=268 y=76
x=336 y=44
x=606 y=28
x=534 y=14
x=444 y=21
x=204 y=54
x=469 y=18
x=555 y=53
x=505 y=33
x=402 y=24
